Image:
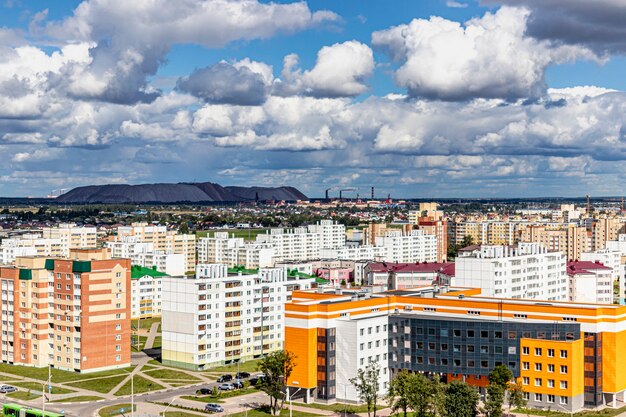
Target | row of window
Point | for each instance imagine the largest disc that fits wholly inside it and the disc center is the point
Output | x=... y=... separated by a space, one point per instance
x=539 y=382
x=539 y=367
x=550 y=397
x=370 y=329
x=539 y=352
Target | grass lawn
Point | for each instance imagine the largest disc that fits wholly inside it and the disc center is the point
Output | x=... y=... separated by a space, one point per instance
x=103 y=385
x=607 y=412
x=339 y=408
x=24 y=395
x=145 y=323
x=114 y=410
x=140 y=385
x=142 y=343
x=205 y=399
x=247 y=366
x=177 y=414
x=170 y=374
x=158 y=342
x=78 y=399
x=36 y=386
x=57 y=375
x=264 y=412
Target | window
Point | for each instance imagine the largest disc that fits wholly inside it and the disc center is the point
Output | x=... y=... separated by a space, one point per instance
x=470 y=333
x=563 y=369
x=564 y=353
x=497 y=334
x=471 y=363
x=362 y=346
x=550 y=398
x=563 y=384
x=537 y=367
x=457 y=333
x=470 y=348
x=118 y=316
x=538 y=397
x=537 y=351
x=484 y=334
x=550 y=353
x=526 y=366
x=550 y=383
x=484 y=349
x=537 y=382
x=118 y=327
x=550 y=367
x=525 y=350
x=512 y=335
x=362 y=332
x=118 y=358
x=563 y=400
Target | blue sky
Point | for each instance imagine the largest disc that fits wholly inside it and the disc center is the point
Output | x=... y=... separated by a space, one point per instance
x=427 y=98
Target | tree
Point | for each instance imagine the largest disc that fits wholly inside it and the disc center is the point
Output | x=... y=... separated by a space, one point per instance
x=277 y=367
x=439 y=396
x=501 y=375
x=366 y=383
x=495 y=400
x=183 y=228
x=468 y=240
x=516 y=396
x=420 y=395
x=398 y=395
x=461 y=400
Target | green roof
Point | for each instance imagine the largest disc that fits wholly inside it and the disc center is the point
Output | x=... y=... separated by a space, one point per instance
x=26 y=274
x=295 y=273
x=240 y=268
x=138 y=271
x=321 y=280
x=81 y=266
x=50 y=264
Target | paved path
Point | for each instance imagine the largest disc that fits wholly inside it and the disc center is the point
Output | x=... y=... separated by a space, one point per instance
x=152 y=335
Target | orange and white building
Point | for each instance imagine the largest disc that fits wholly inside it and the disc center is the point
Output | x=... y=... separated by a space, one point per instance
x=567 y=356
x=70 y=313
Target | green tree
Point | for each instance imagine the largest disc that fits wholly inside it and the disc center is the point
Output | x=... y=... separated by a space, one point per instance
x=399 y=389
x=516 y=396
x=183 y=228
x=366 y=383
x=495 y=400
x=461 y=400
x=277 y=367
x=439 y=396
x=420 y=395
x=468 y=240
x=500 y=375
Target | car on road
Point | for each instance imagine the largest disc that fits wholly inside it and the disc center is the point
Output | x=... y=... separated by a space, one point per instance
x=204 y=391
x=242 y=375
x=238 y=384
x=226 y=387
x=213 y=408
x=7 y=388
x=225 y=378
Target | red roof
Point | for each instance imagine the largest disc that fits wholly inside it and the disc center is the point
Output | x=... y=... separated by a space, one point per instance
x=424 y=267
x=583 y=267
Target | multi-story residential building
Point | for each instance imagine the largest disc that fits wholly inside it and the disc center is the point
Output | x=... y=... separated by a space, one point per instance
x=72 y=236
x=72 y=314
x=234 y=251
x=571 y=240
x=526 y=271
x=31 y=245
x=163 y=240
x=438 y=228
x=609 y=258
x=144 y=254
x=355 y=253
x=220 y=317
x=415 y=246
x=619 y=246
x=604 y=229
x=590 y=282
x=146 y=292
x=400 y=276
x=566 y=354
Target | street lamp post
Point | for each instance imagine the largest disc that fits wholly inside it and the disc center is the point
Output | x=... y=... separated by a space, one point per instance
x=290 y=398
x=132 y=393
x=168 y=406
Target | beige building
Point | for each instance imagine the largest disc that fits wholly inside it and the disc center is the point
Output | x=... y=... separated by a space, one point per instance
x=163 y=240
x=570 y=240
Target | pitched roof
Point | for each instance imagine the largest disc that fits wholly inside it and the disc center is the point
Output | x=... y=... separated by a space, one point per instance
x=424 y=267
x=138 y=271
x=584 y=267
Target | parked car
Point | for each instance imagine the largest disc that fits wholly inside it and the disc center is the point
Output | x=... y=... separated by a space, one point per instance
x=238 y=384
x=225 y=378
x=226 y=387
x=213 y=408
x=242 y=375
x=256 y=379
x=7 y=388
x=204 y=391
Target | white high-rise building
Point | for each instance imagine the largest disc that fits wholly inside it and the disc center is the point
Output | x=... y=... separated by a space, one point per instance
x=234 y=251
x=72 y=236
x=526 y=271
x=217 y=317
x=144 y=254
x=590 y=282
x=412 y=247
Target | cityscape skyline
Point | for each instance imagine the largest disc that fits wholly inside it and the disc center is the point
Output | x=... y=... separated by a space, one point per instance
x=491 y=98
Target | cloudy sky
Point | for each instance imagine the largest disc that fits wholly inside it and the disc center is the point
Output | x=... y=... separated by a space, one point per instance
x=428 y=98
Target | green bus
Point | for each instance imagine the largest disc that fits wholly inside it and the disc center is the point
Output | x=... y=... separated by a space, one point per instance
x=16 y=410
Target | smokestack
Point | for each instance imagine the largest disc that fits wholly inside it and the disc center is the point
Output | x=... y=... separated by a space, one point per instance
x=372 y=193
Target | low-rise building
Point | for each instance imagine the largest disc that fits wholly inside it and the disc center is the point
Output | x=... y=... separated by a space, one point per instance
x=399 y=276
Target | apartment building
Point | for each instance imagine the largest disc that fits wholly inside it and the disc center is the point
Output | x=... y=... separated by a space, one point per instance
x=72 y=313
x=221 y=316
x=414 y=246
x=590 y=282
x=146 y=292
x=527 y=271
x=571 y=240
x=31 y=244
x=553 y=349
x=72 y=236
x=619 y=246
x=162 y=240
x=608 y=257
x=233 y=251
x=399 y=276
x=144 y=254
